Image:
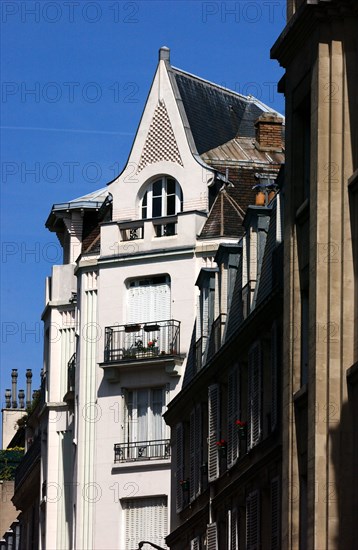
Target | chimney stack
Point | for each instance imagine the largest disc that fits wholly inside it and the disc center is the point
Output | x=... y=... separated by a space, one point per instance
x=8 y=398
x=14 y=376
x=21 y=399
x=28 y=386
x=269 y=132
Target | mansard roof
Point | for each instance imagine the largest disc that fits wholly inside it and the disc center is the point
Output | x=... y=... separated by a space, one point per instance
x=216 y=114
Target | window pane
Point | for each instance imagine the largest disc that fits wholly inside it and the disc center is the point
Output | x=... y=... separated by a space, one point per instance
x=170 y=205
x=142 y=410
x=157 y=188
x=157 y=207
x=170 y=186
x=157 y=410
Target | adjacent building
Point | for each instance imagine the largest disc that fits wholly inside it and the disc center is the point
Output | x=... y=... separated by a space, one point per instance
x=319 y=51
x=226 y=420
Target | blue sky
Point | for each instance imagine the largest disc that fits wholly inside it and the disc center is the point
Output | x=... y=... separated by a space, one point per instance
x=74 y=79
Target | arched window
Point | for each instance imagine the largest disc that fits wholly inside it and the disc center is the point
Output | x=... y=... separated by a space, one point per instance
x=163 y=197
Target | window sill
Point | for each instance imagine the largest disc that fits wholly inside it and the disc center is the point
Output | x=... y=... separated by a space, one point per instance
x=150 y=464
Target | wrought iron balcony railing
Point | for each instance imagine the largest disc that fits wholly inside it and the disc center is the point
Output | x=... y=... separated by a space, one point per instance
x=218 y=331
x=142 y=450
x=142 y=341
x=71 y=373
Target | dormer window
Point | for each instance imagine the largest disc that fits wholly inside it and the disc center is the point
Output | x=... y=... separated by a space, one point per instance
x=163 y=197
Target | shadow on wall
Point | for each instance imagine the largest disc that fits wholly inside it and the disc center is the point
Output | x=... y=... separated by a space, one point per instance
x=343 y=495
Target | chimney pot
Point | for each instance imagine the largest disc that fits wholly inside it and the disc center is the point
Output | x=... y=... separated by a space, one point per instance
x=164 y=54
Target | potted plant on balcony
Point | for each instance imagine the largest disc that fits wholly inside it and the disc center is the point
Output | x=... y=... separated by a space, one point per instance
x=242 y=429
x=184 y=483
x=152 y=348
x=222 y=446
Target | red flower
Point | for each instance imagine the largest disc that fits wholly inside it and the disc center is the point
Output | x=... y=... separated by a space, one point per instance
x=240 y=423
x=221 y=443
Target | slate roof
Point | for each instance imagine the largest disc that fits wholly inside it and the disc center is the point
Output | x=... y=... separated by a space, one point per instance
x=215 y=114
x=226 y=215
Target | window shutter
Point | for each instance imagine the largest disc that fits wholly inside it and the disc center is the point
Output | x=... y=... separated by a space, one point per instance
x=254 y=391
x=179 y=465
x=205 y=310
x=275 y=513
x=198 y=448
x=274 y=376
x=149 y=302
x=212 y=537
x=145 y=518
x=253 y=521
x=195 y=452
x=233 y=414
x=214 y=432
x=192 y=478
x=233 y=531
x=195 y=544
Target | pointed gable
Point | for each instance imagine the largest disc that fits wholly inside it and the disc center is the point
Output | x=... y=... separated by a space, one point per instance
x=160 y=143
x=225 y=217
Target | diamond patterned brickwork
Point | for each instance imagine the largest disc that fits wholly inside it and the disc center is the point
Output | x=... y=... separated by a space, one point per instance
x=160 y=143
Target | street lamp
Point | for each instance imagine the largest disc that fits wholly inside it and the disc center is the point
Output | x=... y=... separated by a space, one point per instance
x=140 y=545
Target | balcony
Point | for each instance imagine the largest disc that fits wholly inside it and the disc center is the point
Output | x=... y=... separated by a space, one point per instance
x=28 y=463
x=71 y=377
x=142 y=450
x=142 y=341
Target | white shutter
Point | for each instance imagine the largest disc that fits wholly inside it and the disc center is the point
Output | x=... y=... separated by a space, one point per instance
x=192 y=477
x=275 y=514
x=195 y=544
x=148 y=302
x=233 y=414
x=253 y=521
x=145 y=519
x=195 y=452
x=233 y=530
x=214 y=431
x=179 y=465
x=274 y=375
x=212 y=537
x=205 y=310
x=254 y=392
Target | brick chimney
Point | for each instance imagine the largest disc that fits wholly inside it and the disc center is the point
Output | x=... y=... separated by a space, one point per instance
x=269 y=132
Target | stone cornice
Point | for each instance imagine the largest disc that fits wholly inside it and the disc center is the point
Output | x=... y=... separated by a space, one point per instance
x=303 y=23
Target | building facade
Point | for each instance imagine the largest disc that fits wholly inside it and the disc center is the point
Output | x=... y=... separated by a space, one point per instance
x=120 y=312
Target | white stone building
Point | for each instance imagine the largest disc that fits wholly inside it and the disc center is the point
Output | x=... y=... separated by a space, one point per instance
x=120 y=312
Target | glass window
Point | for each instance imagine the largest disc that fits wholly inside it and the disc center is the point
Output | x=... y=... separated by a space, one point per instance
x=163 y=197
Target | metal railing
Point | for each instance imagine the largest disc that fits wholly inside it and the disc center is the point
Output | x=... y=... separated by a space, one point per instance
x=71 y=373
x=142 y=341
x=28 y=461
x=218 y=330
x=142 y=450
